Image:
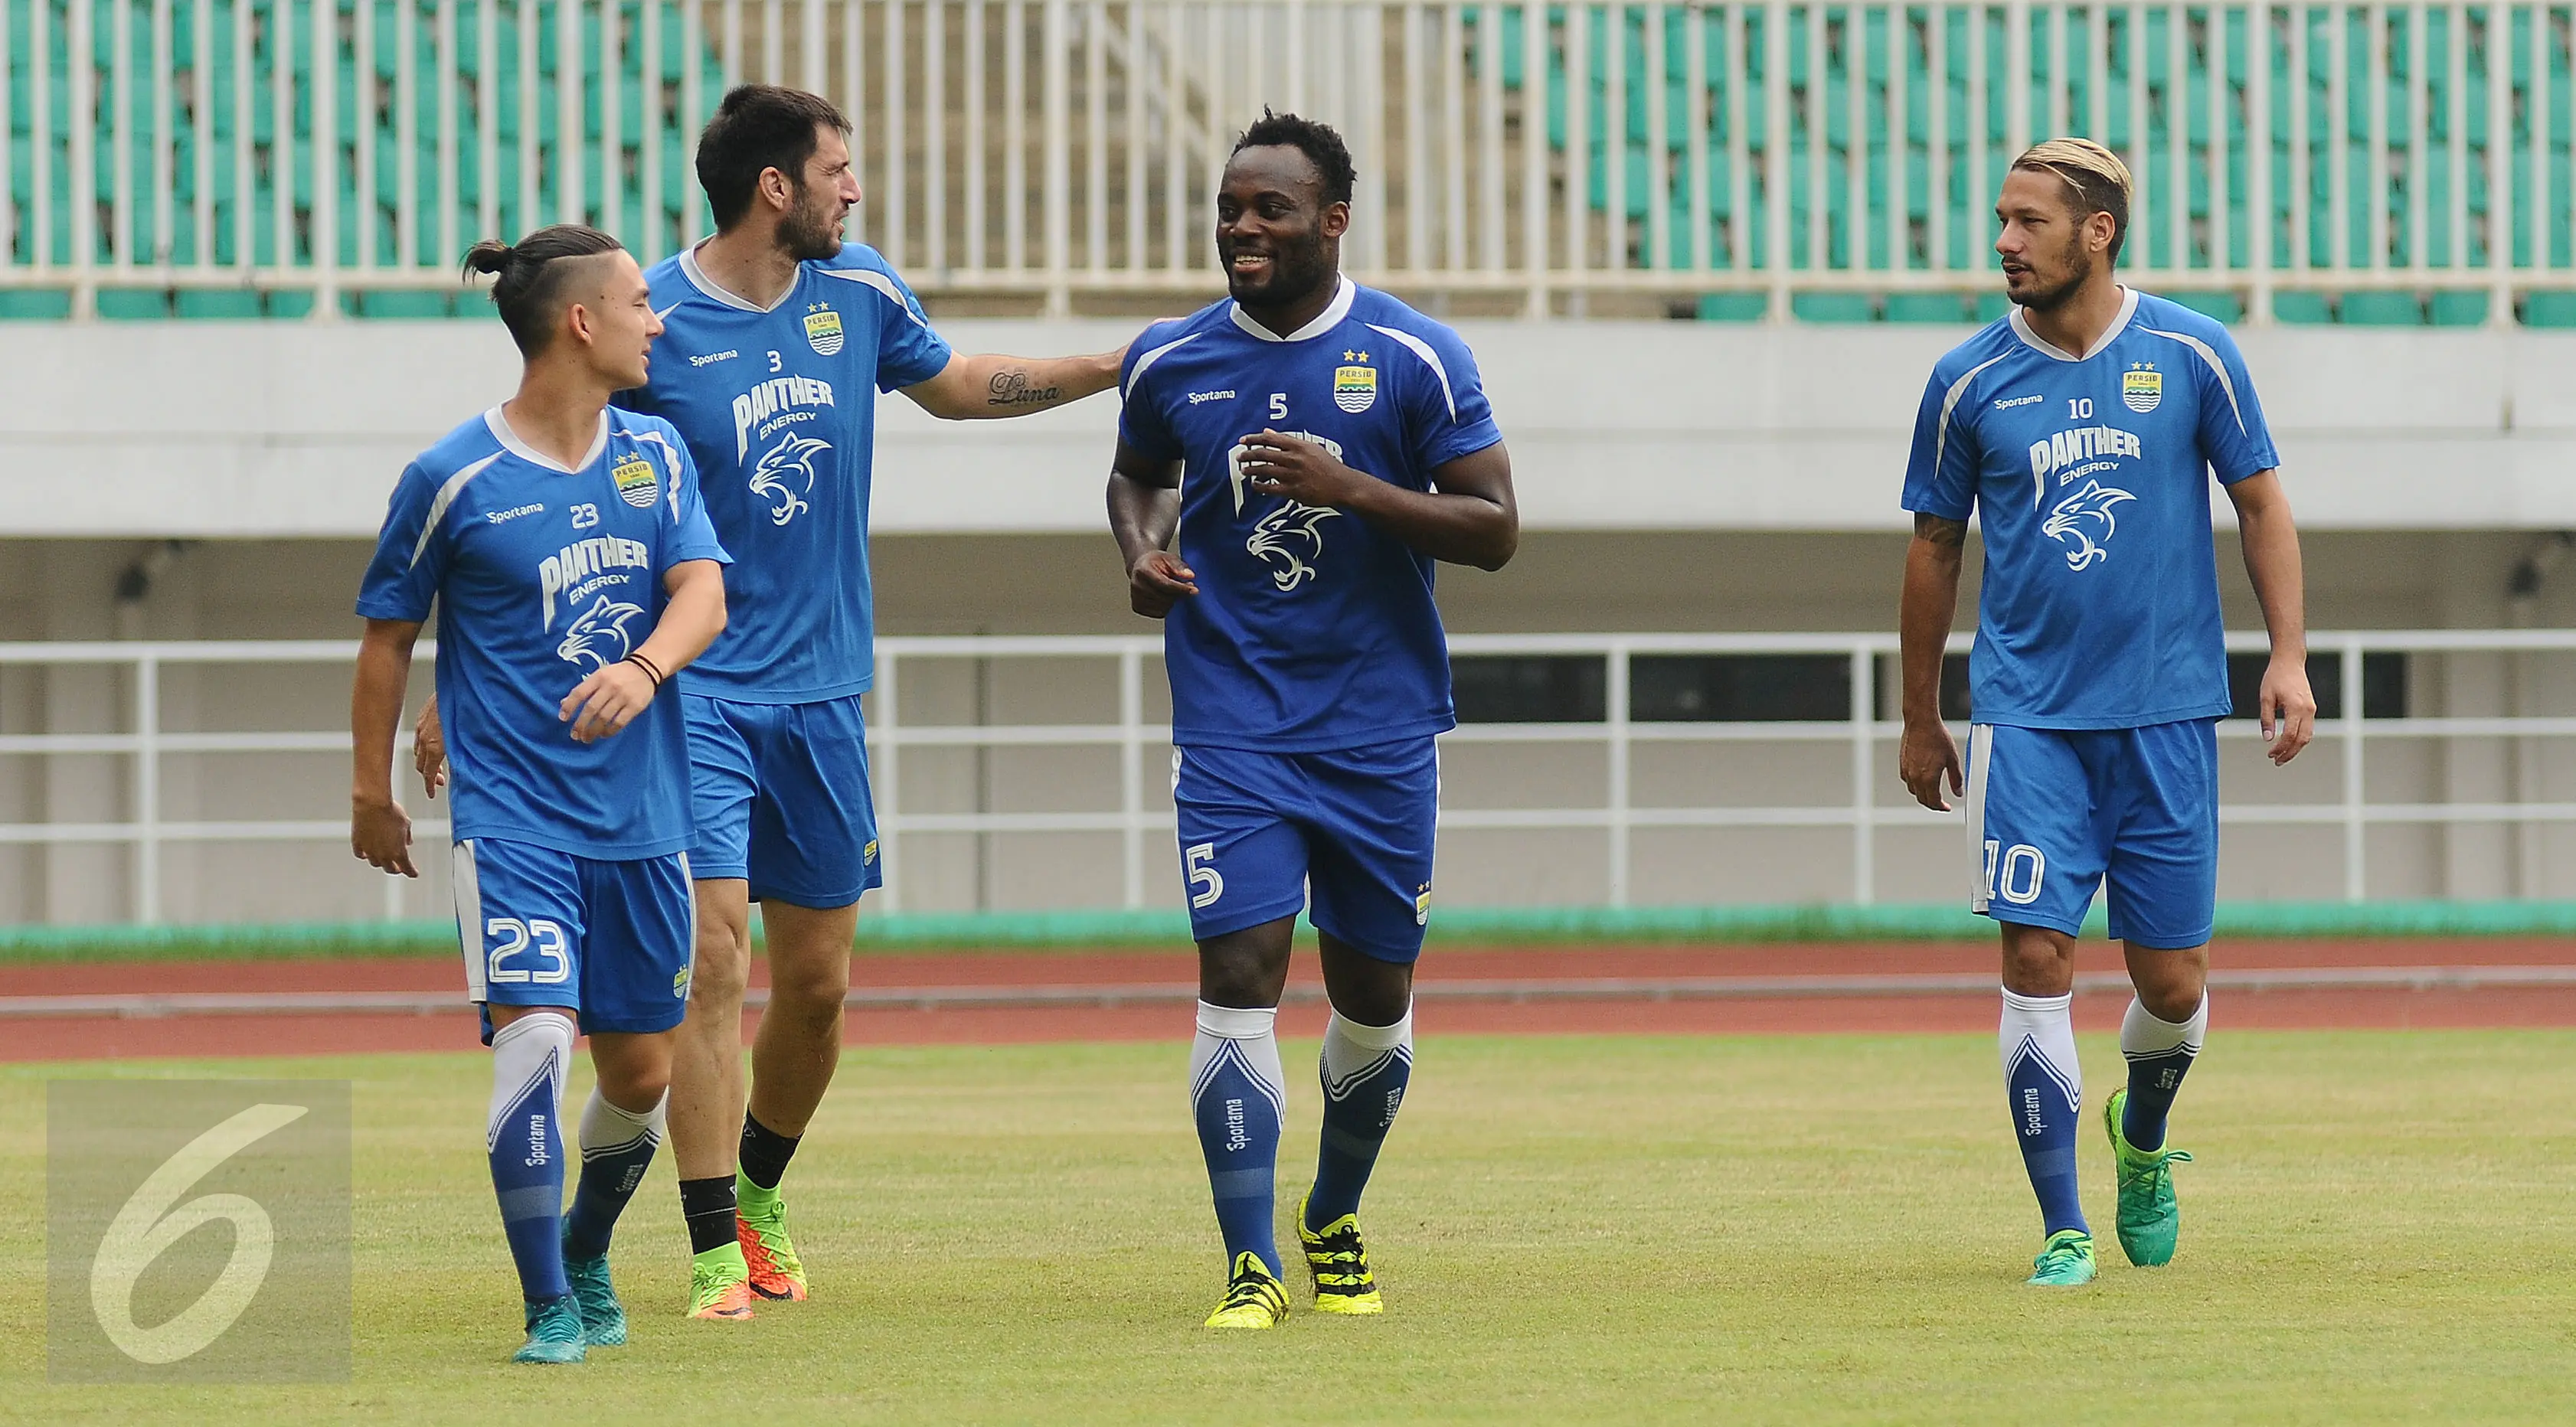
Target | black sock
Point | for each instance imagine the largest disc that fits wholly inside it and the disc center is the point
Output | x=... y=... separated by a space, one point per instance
x=765 y=1153
x=708 y=1206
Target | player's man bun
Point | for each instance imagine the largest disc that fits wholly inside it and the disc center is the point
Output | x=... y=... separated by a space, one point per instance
x=2097 y=180
x=758 y=127
x=529 y=289
x=1320 y=143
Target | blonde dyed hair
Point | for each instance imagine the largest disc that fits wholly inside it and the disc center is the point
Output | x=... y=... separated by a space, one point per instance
x=2094 y=177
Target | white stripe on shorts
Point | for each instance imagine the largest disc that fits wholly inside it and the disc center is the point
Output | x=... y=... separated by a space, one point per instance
x=1981 y=757
x=469 y=919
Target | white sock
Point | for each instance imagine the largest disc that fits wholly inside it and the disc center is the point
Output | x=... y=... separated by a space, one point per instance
x=1352 y=1049
x=538 y=1044
x=606 y=1129
x=2043 y=1026
x=1253 y=1030
x=2144 y=1034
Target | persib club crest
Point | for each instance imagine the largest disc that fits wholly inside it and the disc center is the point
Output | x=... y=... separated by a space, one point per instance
x=1355 y=387
x=636 y=483
x=823 y=330
x=2142 y=388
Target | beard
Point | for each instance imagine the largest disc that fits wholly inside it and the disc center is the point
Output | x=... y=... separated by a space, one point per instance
x=2045 y=299
x=1297 y=270
x=809 y=235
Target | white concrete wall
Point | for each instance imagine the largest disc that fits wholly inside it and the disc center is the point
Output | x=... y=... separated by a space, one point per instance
x=291 y=429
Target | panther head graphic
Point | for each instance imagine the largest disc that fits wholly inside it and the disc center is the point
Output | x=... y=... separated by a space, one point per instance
x=599 y=636
x=793 y=456
x=1287 y=537
x=2073 y=520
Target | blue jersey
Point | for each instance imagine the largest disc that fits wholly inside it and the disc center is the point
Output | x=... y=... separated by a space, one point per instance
x=778 y=406
x=2090 y=480
x=542 y=575
x=1312 y=629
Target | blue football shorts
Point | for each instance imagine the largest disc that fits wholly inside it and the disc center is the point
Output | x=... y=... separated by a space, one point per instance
x=2054 y=813
x=780 y=794
x=1345 y=834
x=614 y=941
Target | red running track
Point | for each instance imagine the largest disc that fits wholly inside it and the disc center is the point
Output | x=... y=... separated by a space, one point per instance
x=2379 y=1008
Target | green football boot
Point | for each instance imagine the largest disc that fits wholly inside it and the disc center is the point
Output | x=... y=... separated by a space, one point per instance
x=2067 y=1262
x=603 y=1318
x=554 y=1333
x=2150 y=1221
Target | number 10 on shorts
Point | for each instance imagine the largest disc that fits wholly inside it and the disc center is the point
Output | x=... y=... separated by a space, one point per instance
x=2014 y=873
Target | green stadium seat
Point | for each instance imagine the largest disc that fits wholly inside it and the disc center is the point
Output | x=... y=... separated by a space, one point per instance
x=2302 y=308
x=1833 y=307
x=2458 y=309
x=400 y=304
x=2555 y=310
x=133 y=304
x=2222 y=306
x=1949 y=307
x=1990 y=307
x=2380 y=309
x=1738 y=307
x=216 y=304
x=24 y=304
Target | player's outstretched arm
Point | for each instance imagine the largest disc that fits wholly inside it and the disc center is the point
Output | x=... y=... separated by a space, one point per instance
x=1144 y=512
x=614 y=694
x=1468 y=517
x=1926 y=755
x=989 y=385
x=2287 y=705
x=379 y=829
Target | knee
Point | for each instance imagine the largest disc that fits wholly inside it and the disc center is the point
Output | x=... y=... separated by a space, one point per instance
x=2037 y=961
x=810 y=989
x=1236 y=977
x=2171 y=986
x=1380 y=999
x=722 y=968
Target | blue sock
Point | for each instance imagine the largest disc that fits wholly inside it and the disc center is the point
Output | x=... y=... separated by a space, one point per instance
x=525 y=1138
x=616 y=1146
x=1364 y=1070
x=2046 y=1089
x=2159 y=1053
x=1239 y=1095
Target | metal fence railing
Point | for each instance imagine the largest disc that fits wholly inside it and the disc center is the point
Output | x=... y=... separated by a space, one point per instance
x=1874 y=804
x=2365 y=161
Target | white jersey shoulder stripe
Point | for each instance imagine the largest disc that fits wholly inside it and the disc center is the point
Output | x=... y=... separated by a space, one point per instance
x=1950 y=403
x=1423 y=350
x=1149 y=359
x=453 y=487
x=2225 y=383
x=870 y=277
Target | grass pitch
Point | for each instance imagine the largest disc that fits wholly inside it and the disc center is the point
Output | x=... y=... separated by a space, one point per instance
x=2381 y=1226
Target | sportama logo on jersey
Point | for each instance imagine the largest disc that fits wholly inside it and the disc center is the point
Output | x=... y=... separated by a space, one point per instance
x=823 y=330
x=2142 y=388
x=636 y=483
x=1355 y=387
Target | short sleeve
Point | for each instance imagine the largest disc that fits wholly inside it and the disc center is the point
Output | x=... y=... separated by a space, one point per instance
x=908 y=350
x=412 y=552
x=687 y=534
x=1446 y=415
x=2233 y=434
x=1141 y=427
x=1941 y=472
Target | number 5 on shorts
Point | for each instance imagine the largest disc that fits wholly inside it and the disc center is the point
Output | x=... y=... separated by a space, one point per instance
x=1205 y=885
x=543 y=937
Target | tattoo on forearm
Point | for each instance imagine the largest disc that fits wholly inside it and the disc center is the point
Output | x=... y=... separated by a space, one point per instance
x=1939 y=530
x=1011 y=388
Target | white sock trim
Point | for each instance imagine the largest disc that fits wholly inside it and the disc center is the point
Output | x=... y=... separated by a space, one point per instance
x=2144 y=1033
x=533 y=1046
x=1237 y=1023
x=607 y=1127
x=1368 y=1037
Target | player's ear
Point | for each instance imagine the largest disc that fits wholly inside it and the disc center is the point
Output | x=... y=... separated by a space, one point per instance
x=579 y=322
x=778 y=188
x=1337 y=219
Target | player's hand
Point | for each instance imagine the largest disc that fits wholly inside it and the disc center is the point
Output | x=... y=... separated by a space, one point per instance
x=380 y=835
x=429 y=749
x=2288 y=708
x=606 y=701
x=1276 y=463
x=1927 y=757
x=1157 y=581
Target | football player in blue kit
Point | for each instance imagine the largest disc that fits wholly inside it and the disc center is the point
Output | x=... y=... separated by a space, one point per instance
x=1316 y=447
x=568 y=554
x=2082 y=431
x=779 y=337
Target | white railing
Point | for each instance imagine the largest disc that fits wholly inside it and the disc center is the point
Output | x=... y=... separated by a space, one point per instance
x=1058 y=148
x=1875 y=800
